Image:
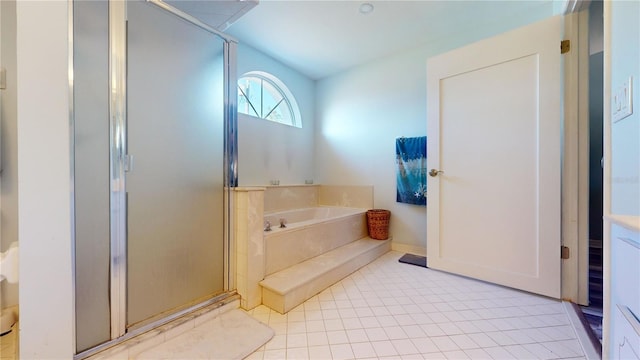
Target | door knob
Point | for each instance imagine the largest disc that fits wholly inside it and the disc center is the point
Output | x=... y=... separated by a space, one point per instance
x=434 y=172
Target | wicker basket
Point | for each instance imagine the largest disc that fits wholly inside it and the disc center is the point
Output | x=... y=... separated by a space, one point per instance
x=378 y=223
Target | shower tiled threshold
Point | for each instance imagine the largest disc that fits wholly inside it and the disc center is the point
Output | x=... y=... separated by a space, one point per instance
x=214 y=332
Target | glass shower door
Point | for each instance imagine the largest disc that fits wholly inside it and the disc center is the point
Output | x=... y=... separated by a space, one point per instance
x=91 y=172
x=174 y=180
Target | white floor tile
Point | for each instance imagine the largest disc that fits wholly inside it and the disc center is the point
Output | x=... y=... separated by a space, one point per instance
x=329 y=314
x=337 y=337
x=395 y=332
x=376 y=334
x=434 y=356
x=477 y=354
x=363 y=350
x=413 y=331
x=389 y=310
x=275 y=354
x=333 y=324
x=405 y=320
x=315 y=325
x=320 y=352
x=296 y=340
x=456 y=355
x=370 y=322
x=519 y=352
x=412 y=357
x=404 y=346
x=450 y=328
x=432 y=330
x=357 y=336
x=363 y=311
x=444 y=343
x=540 y=352
x=317 y=338
x=464 y=342
x=498 y=353
x=467 y=327
x=425 y=345
x=351 y=323
x=384 y=348
x=277 y=342
x=565 y=348
x=279 y=328
x=387 y=320
x=341 y=351
x=298 y=353
x=276 y=318
x=296 y=327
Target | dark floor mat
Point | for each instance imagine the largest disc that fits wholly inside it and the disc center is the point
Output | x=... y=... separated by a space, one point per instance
x=414 y=260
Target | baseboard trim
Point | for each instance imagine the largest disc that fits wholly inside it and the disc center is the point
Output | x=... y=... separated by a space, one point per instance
x=411 y=249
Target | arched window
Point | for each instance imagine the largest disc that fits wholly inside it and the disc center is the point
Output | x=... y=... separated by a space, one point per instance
x=264 y=96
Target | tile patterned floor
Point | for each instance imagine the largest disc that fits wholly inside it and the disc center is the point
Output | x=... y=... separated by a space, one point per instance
x=390 y=310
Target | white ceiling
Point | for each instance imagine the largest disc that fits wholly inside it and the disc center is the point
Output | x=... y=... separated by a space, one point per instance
x=321 y=37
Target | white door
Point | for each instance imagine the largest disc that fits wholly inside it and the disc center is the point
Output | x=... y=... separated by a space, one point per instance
x=494 y=130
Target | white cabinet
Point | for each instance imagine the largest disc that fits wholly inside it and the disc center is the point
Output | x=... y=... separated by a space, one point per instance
x=625 y=293
x=625 y=344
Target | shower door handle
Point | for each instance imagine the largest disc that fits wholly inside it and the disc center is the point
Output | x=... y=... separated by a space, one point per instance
x=434 y=172
x=128 y=163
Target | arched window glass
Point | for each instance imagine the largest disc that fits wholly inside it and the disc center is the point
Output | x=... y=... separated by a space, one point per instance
x=264 y=96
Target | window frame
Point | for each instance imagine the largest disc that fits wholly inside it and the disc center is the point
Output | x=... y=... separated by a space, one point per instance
x=278 y=86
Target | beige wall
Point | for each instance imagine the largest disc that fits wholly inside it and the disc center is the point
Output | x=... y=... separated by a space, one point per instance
x=46 y=277
x=270 y=151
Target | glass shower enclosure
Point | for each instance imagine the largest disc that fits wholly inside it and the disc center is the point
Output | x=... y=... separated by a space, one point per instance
x=153 y=134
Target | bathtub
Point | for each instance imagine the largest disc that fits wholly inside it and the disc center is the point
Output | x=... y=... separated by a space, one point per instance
x=310 y=232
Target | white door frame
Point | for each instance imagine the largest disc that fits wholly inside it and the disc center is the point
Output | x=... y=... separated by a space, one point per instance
x=575 y=167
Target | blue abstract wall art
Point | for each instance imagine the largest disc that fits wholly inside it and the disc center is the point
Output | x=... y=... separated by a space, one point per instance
x=411 y=164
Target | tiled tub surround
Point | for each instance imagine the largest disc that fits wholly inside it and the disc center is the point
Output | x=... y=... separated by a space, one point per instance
x=288 y=197
x=249 y=244
x=250 y=204
x=288 y=288
x=310 y=232
x=282 y=198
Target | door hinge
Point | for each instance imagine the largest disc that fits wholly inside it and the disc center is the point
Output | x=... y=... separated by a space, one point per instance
x=565 y=46
x=564 y=252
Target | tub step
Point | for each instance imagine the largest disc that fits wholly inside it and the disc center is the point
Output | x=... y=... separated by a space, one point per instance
x=288 y=288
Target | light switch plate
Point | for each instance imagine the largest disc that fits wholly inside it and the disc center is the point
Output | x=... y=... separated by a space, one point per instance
x=622 y=102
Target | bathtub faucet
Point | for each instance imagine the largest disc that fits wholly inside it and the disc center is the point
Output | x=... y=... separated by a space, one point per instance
x=267 y=226
x=283 y=221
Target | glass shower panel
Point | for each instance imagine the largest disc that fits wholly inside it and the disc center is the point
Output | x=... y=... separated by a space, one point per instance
x=175 y=183
x=91 y=172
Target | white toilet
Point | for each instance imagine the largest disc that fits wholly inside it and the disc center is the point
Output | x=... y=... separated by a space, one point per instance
x=8 y=271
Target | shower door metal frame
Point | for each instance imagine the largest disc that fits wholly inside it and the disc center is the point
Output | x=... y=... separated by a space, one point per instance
x=119 y=157
x=117 y=154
